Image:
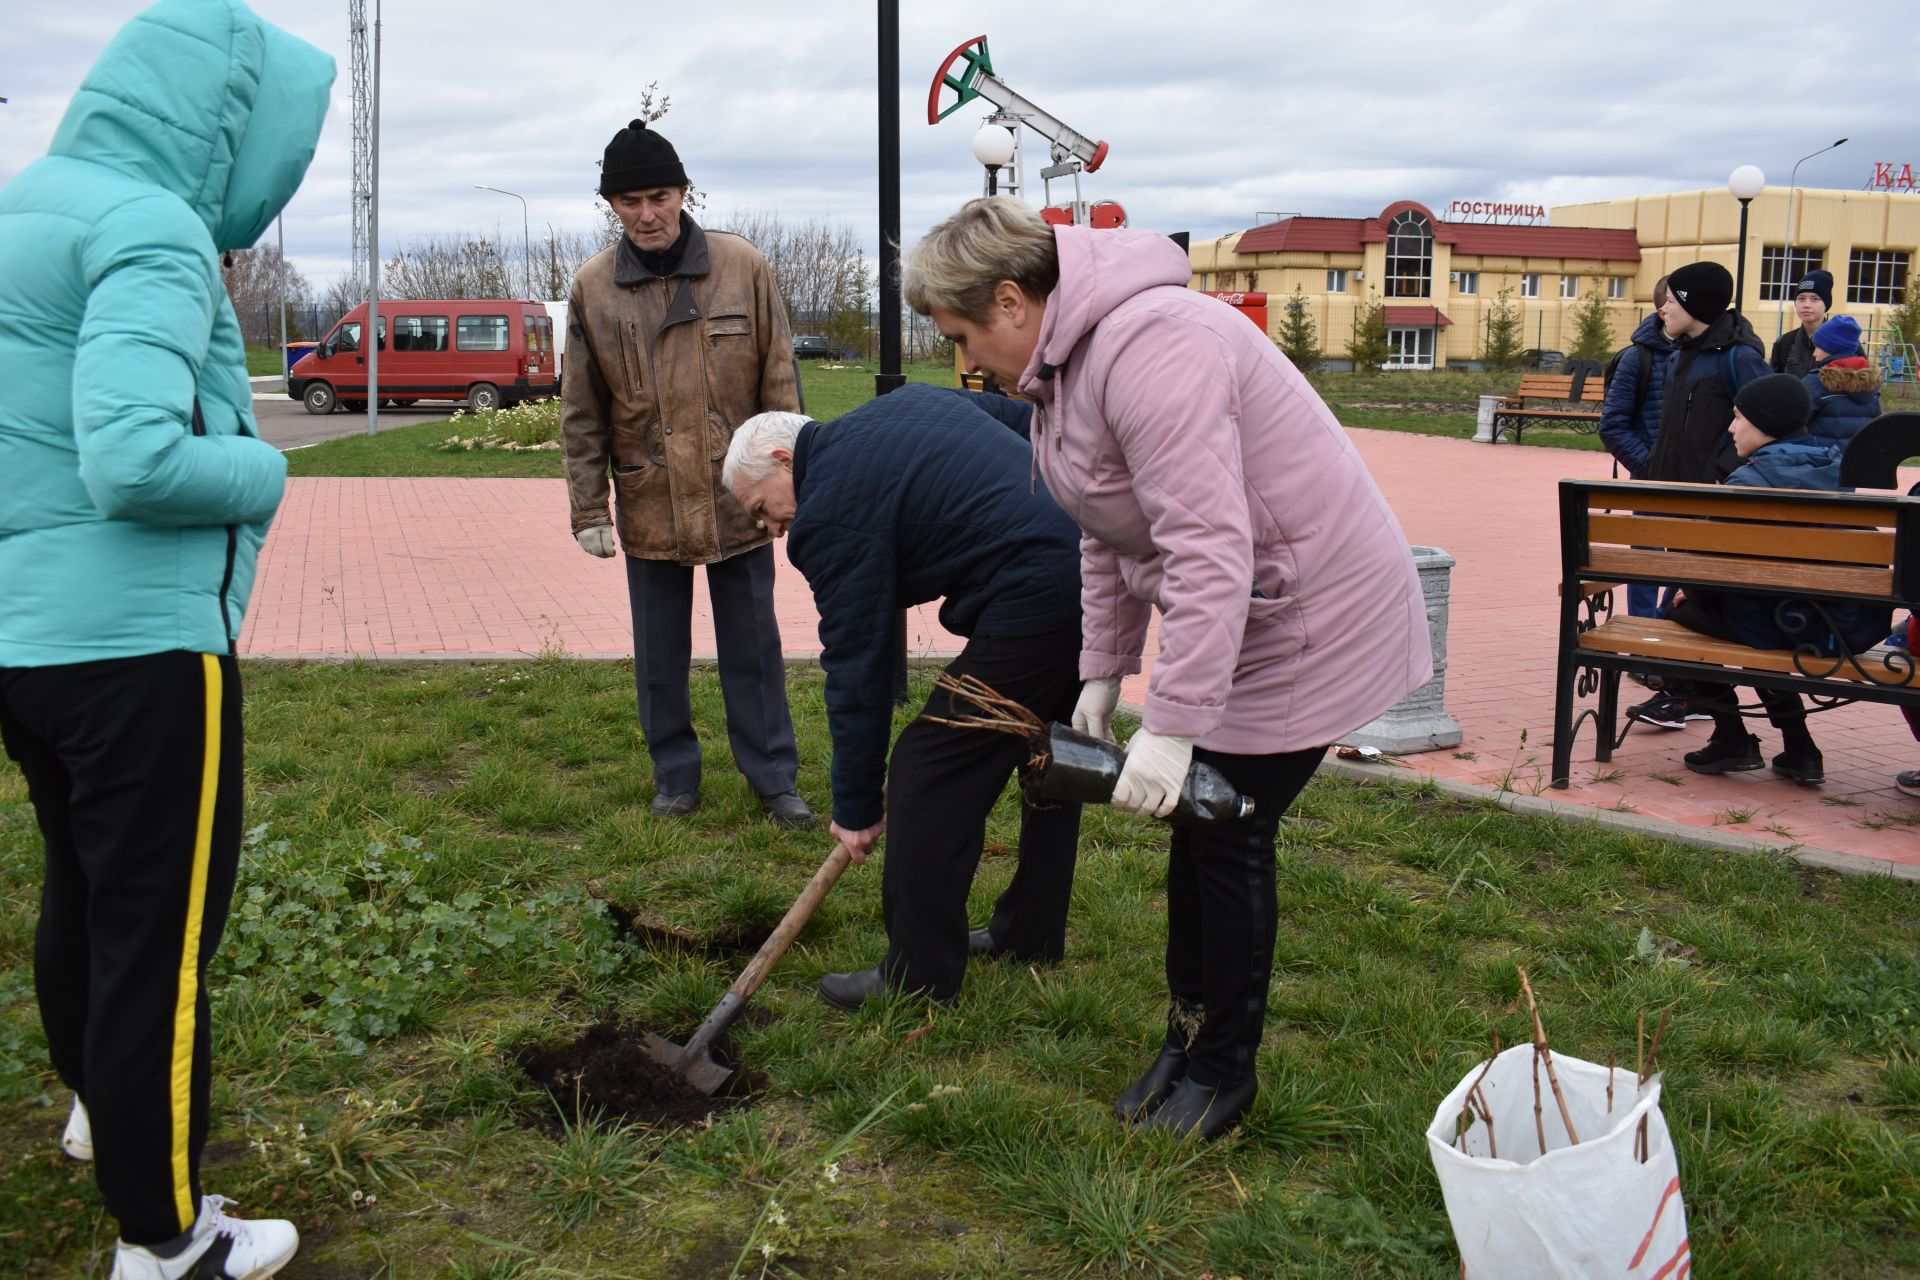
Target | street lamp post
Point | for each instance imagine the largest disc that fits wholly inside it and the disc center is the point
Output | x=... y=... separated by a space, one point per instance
x=526 y=240
x=1745 y=183
x=1793 y=226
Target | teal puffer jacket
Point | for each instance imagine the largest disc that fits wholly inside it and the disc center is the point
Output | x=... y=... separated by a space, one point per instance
x=134 y=489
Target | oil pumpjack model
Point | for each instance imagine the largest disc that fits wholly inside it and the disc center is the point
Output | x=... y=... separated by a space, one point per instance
x=968 y=72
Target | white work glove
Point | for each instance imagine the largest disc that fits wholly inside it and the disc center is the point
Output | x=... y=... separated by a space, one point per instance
x=1155 y=771
x=1093 y=714
x=597 y=540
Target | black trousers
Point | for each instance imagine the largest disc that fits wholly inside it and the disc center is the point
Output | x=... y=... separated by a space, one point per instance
x=1785 y=711
x=753 y=672
x=134 y=769
x=941 y=784
x=1222 y=918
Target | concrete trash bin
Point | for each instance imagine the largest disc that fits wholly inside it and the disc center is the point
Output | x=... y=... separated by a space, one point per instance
x=1419 y=722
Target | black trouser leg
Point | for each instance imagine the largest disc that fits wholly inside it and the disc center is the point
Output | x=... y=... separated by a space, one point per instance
x=661 y=595
x=753 y=671
x=1030 y=916
x=1222 y=917
x=134 y=767
x=941 y=784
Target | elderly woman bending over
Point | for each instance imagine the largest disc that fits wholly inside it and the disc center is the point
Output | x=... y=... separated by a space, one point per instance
x=1213 y=484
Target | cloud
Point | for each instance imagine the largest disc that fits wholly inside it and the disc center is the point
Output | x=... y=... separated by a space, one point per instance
x=1213 y=112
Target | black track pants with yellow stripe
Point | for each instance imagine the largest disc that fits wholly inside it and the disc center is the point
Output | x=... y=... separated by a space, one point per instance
x=133 y=766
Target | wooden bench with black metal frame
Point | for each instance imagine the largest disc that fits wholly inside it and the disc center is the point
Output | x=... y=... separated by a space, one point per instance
x=1561 y=390
x=1809 y=549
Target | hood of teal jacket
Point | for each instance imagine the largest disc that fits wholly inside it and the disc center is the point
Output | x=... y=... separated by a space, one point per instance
x=203 y=99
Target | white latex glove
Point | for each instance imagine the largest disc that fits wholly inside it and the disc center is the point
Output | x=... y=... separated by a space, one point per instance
x=597 y=540
x=1155 y=771
x=1093 y=714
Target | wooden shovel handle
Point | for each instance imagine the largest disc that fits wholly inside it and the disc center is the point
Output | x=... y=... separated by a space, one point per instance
x=792 y=923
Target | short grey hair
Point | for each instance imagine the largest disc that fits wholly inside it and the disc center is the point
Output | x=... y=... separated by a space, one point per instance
x=959 y=262
x=750 y=452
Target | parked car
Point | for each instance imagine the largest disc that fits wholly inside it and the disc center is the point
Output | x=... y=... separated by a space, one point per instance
x=489 y=352
x=1543 y=359
x=814 y=348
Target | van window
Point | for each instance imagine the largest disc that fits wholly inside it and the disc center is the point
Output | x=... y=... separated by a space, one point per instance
x=419 y=333
x=534 y=342
x=482 y=333
x=347 y=336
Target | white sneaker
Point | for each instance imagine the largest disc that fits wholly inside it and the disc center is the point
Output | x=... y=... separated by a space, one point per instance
x=221 y=1248
x=77 y=1141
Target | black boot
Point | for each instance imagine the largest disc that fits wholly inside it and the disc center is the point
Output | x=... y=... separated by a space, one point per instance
x=1726 y=755
x=1198 y=1110
x=1150 y=1090
x=1802 y=763
x=851 y=990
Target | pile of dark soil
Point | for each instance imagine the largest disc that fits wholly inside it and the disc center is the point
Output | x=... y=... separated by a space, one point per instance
x=608 y=1072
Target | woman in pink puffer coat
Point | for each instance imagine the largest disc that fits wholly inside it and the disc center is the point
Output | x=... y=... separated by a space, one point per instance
x=1213 y=484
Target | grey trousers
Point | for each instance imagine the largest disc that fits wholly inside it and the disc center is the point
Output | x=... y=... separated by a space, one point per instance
x=753 y=674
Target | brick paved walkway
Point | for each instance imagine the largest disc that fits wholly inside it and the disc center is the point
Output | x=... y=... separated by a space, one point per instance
x=441 y=567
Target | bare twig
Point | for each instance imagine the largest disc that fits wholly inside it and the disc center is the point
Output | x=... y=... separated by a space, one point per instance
x=1482 y=1110
x=1540 y=1048
x=992 y=710
x=1609 y=1082
x=1539 y=1125
x=1653 y=1053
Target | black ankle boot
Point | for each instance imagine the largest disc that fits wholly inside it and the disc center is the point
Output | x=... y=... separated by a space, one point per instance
x=1803 y=764
x=1151 y=1089
x=1201 y=1111
x=1726 y=755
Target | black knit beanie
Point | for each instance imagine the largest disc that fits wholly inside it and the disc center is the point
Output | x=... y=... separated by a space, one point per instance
x=638 y=159
x=1778 y=404
x=1817 y=282
x=1703 y=288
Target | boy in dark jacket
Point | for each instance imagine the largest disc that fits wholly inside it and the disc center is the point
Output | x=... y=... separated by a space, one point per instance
x=1812 y=299
x=1630 y=416
x=1844 y=385
x=1769 y=434
x=928 y=494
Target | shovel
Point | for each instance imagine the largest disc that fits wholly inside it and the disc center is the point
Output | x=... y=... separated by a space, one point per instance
x=694 y=1062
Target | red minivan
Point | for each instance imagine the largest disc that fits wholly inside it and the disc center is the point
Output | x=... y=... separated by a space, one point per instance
x=489 y=352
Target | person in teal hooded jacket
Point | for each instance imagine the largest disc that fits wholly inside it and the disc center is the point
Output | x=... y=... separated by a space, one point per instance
x=136 y=496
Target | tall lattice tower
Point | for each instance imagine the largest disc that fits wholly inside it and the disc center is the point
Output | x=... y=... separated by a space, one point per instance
x=362 y=139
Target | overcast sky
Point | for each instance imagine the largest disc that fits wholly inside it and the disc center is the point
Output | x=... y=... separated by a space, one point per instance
x=1214 y=111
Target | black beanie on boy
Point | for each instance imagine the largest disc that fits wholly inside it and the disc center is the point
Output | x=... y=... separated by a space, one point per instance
x=1703 y=288
x=638 y=159
x=1778 y=404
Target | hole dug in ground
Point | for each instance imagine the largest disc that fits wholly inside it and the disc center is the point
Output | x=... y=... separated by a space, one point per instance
x=607 y=1071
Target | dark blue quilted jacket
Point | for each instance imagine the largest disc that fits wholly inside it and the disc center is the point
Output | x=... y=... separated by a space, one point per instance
x=1627 y=433
x=1846 y=397
x=924 y=494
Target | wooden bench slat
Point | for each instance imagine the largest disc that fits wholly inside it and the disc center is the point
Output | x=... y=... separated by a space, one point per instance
x=1788 y=576
x=1661 y=638
x=1848 y=546
x=1712 y=501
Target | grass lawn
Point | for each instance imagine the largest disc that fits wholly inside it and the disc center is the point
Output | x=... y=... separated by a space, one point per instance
x=831 y=390
x=264 y=360
x=421 y=900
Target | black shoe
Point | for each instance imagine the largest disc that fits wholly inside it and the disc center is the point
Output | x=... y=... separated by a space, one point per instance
x=1804 y=766
x=1146 y=1094
x=674 y=804
x=1662 y=711
x=787 y=809
x=851 y=990
x=1197 y=1110
x=1726 y=755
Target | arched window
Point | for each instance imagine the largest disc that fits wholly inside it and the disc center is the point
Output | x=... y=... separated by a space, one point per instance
x=1409 y=256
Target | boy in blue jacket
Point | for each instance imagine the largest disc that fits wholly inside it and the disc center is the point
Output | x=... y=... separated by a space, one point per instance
x=1630 y=416
x=136 y=496
x=1769 y=435
x=1844 y=385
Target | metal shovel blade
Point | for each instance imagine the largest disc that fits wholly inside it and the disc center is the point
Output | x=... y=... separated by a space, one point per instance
x=700 y=1070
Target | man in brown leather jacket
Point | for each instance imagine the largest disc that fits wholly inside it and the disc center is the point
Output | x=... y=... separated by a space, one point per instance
x=684 y=337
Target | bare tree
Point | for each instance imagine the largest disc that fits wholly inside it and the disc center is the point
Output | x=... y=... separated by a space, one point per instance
x=558 y=260
x=447 y=266
x=258 y=281
x=817 y=266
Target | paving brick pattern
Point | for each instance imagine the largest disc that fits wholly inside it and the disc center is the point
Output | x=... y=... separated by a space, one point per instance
x=447 y=567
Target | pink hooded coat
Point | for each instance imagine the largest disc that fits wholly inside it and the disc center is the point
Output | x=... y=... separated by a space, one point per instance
x=1199 y=462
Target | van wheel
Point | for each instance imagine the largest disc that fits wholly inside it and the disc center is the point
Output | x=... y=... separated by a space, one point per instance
x=319 y=398
x=483 y=397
